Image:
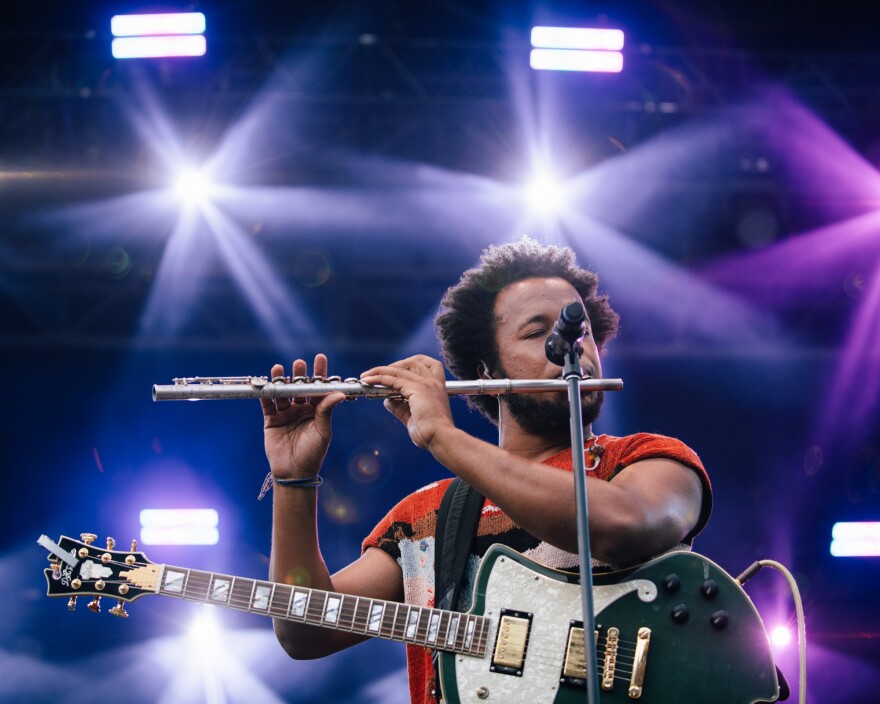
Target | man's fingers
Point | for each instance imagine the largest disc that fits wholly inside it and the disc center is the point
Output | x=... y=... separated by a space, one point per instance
x=270 y=405
x=320 y=365
x=299 y=369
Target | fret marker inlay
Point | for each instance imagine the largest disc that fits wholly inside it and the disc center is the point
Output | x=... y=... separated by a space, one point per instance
x=432 y=627
x=376 y=612
x=331 y=610
x=300 y=599
x=220 y=589
x=452 y=632
x=174 y=581
x=412 y=622
x=261 y=597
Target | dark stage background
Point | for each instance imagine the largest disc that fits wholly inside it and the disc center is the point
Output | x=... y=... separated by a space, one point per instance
x=724 y=186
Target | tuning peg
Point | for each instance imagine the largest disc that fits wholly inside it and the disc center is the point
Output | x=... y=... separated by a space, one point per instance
x=131 y=559
x=88 y=538
x=119 y=610
x=111 y=543
x=95 y=604
x=71 y=603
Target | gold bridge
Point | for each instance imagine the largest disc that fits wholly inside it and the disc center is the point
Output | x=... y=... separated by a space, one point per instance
x=574 y=666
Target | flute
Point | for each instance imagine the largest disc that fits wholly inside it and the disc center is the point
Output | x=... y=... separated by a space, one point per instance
x=198 y=388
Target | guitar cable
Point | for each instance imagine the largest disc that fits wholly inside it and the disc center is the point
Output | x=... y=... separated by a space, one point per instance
x=750 y=572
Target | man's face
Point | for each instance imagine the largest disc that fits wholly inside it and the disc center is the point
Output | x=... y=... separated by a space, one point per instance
x=525 y=313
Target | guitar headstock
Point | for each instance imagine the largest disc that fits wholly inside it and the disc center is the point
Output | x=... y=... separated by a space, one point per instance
x=81 y=568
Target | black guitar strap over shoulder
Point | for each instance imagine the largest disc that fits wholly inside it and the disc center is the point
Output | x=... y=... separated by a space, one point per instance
x=457 y=521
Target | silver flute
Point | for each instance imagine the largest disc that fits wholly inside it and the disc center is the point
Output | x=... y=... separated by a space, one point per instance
x=197 y=388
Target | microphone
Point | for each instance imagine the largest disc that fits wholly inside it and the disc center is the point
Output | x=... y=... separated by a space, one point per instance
x=568 y=331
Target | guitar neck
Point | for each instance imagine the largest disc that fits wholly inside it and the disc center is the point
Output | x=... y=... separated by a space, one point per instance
x=438 y=629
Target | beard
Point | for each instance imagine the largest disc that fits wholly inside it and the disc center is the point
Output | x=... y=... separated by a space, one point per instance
x=546 y=417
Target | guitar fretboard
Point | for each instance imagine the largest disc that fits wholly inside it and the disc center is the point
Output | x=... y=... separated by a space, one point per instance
x=434 y=628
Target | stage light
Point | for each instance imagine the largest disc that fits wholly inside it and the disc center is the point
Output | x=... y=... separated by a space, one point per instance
x=157 y=47
x=192 y=186
x=195 y=526
x=780 y=636
x=157 y=24
x=856 y=539
x=572 y=60
x=544 y=194
x=577 y=49
x=577 y=38
x=158 y=35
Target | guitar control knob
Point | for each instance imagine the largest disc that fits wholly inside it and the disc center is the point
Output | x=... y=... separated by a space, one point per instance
x=719 y=620
x=709 y=589
x=680 y=613
x=672 y=583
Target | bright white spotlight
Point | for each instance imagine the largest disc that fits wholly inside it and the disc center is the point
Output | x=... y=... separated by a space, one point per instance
x=204 y=636
x=577 y=38
x=158 y=35
x=573 y=60
x=158 y=24
x=544 y=194
x=193 y=526
x=158 y=47
x=192 y=186
x=856 y=539
x=204 y=628
x=780 y=636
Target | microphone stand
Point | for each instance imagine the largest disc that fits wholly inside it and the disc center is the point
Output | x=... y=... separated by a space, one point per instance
x=562 y=347
x=572 y=374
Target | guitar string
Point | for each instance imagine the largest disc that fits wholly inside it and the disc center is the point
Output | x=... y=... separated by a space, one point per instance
x=346 y=614
x=196 y=579
x=542 y=656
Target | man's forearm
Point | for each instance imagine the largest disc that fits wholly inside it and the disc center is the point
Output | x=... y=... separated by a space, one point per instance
x=628 y=519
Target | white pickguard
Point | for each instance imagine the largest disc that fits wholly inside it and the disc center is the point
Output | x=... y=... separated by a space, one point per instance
x=554 y=604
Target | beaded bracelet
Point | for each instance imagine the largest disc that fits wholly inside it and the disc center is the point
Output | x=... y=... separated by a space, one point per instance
x=305 y=483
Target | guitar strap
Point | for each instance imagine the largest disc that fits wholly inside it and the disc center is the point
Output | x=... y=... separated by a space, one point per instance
x=457 y=521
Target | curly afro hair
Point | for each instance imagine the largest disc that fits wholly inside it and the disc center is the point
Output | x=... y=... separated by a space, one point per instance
x=466 y=322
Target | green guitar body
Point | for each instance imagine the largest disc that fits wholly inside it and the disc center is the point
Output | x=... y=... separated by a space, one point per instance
x=707 y=642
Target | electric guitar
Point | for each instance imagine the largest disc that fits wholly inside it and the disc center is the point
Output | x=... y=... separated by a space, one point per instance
x=675 y=630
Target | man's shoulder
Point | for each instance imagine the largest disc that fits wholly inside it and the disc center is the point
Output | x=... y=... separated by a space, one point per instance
x=631 y=448
x=426 y=497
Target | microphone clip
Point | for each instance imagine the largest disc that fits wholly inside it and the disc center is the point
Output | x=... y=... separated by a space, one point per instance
x=568 y=331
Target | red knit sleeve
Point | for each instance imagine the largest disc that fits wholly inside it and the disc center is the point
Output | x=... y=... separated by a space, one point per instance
x=413 y=518
x=645 y=446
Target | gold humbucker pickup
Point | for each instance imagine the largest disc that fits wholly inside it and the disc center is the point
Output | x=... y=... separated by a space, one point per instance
x=511 y=642
x=574 y=666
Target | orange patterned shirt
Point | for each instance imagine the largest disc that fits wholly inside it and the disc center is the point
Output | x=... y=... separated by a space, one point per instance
x=407 y=533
